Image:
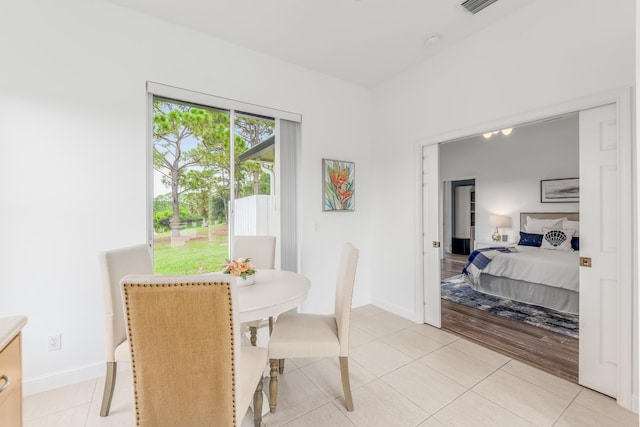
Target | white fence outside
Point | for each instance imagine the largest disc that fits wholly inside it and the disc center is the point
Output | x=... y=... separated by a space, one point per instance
x=255 y=215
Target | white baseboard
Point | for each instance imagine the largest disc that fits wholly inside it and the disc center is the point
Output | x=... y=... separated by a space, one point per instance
x=634 y=403
x=407 y=314
x=34 y=385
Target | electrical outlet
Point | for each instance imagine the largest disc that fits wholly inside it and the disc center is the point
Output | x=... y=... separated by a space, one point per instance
x=55 y=342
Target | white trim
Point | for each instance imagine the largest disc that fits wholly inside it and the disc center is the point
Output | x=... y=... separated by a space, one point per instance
x=392 y=308
x=628 y=241
x=277 y=169
x=65 y=377
x=625 y=260
x=218 y=102
x=150 y=171
x=591 y=101
x=231 y=222
x=419 y=240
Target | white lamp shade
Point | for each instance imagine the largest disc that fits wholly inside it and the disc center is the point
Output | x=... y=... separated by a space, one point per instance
x=499 y=221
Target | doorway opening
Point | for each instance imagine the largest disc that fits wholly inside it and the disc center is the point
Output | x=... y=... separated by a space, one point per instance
x=616 y=369
x=504 y=324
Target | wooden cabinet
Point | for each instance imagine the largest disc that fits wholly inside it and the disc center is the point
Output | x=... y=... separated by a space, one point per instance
x=11 y=383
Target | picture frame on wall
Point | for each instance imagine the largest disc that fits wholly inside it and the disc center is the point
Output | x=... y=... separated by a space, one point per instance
x=338 y=186
x=565 y=190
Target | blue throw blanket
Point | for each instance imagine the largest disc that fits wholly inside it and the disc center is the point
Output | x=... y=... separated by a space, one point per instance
x=479 y=259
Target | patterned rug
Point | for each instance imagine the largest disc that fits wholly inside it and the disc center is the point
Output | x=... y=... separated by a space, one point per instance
x=456 y=289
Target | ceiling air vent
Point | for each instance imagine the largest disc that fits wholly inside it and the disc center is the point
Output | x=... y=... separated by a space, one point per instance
x=475 y=6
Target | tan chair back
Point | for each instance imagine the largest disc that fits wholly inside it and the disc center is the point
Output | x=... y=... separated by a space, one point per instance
x=183 y=343
x=261 y=250
x=344 y=294
x=116 y=264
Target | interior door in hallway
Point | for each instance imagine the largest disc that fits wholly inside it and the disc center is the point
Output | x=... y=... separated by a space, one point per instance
x=431 y=236
x=599 y=242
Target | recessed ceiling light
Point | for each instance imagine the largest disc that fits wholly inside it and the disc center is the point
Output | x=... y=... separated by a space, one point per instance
x=433 y=38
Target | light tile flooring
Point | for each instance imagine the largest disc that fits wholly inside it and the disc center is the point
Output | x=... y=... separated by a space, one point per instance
x=402 y=374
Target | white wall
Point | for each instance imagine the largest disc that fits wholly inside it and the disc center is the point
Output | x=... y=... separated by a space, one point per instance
x=508 y=170
x=546 y=54
x=73 y=108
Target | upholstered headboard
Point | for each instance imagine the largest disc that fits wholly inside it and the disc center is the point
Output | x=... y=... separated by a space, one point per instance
x=573 y=216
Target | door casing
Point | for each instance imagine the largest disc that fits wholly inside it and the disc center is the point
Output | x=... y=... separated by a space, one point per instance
x=628 y=240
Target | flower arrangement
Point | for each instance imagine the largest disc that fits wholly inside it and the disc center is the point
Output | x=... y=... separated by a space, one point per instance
x=241 y=267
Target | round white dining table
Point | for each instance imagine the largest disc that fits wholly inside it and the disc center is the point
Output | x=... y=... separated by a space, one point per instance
x=274 y=292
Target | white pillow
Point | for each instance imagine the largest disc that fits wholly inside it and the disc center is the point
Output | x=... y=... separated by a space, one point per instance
x=572 y=225
x=535 y=225
x=558 y=240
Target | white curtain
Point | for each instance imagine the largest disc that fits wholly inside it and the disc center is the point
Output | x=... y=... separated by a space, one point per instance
x=289 y=147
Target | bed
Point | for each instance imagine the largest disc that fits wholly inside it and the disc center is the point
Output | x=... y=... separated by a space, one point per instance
x=536 y=273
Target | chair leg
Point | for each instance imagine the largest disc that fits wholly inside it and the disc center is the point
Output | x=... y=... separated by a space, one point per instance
x=346 y=385
x=280 y=366
x=273 y=385
x=109 y=385
x=254 y=335
x=257 y=405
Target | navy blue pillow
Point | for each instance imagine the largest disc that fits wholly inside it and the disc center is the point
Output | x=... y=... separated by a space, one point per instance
x=528 y=239
x=575 y=243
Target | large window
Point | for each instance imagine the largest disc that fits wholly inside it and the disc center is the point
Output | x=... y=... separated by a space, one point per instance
x=213 y=177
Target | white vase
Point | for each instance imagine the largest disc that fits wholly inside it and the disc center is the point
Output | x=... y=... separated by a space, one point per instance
x=250 y=280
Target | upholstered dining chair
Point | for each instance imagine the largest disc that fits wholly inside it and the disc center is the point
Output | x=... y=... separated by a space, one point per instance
x=262 y=252
x=303 y=335
x=115 y=264
x=189 y=368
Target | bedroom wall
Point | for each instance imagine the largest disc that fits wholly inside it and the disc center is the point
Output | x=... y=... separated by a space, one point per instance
x=531 y=60
x=508 y=170
x=543 y=55
x=73 y=134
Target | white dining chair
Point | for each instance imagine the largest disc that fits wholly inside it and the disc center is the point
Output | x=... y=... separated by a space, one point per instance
x=303 y=335
x=189 y=368
x=114 y=265
x=261 y=250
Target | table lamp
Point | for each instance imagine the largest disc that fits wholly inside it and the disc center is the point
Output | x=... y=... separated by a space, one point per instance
x=499 y=221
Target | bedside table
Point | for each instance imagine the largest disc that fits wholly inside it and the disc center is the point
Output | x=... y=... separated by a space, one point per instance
x=481 y=245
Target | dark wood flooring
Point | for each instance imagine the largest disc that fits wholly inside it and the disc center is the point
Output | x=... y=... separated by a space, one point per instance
x=548 y=351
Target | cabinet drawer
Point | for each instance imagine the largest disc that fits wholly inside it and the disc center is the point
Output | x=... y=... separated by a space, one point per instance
x=10 y=365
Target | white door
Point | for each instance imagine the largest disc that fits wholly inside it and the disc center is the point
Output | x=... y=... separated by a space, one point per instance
x=431 y=238
x=599 y=284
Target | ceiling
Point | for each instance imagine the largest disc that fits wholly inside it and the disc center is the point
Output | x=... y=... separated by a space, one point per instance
x=360 y=41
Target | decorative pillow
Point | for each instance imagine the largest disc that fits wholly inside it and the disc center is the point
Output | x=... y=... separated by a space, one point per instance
x=572 y=225
x=575 y=243
x=528 y=239
x=535 y=225
x=559 y=240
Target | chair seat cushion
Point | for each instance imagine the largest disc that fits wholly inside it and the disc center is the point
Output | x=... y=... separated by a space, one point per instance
x=253 y=361
x=304 y=335
x=122 y=353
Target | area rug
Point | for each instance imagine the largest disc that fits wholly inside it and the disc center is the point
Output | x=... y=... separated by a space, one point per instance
x=456 y=289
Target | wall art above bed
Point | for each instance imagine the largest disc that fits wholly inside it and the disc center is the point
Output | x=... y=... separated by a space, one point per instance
x=566 y=190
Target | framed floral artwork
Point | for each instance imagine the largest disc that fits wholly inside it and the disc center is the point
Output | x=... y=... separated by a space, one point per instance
x=338 y=190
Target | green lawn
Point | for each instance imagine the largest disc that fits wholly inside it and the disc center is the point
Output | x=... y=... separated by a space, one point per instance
x=199 y=250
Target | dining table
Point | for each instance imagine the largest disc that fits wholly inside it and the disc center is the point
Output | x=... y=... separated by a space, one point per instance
x=273 y=293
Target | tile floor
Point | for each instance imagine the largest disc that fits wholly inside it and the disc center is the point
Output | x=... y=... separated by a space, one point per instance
x=402 y=374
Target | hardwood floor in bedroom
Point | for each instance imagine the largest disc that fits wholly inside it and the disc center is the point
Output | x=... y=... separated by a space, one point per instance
x=551 y=352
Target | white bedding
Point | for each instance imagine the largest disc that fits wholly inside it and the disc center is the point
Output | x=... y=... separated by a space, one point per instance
x=532 y=264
